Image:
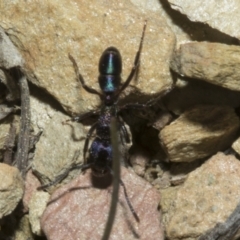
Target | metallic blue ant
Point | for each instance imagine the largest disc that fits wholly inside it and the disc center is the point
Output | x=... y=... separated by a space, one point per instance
x=110 y=68
x=100 y=153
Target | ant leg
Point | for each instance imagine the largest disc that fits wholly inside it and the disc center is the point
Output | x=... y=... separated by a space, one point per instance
x=93 y=127
x=84 y=116
x=144 y=105
x=134 y=106
x=80 y=78
x=136 y=61
x=60 y=177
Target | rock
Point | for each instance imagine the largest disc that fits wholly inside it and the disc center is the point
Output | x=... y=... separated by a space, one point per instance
x=5 y=110
x=152 y=5
x=78 y=210
x=37 y=206
x=59 y=147
x=168 y=197
x=222 y=15
x=9 y=54
x=179 y=171
x=4 y=133
x=139 y=158
x=11 y=189
x=31 y=185
x=24 y=231
x=70 y=27
x=43 y=110
x=208 y=196
x=199 y=132
x=236 y=145
x=183 y=28
x=162 y=120
x=162 y=182
x=212 y=62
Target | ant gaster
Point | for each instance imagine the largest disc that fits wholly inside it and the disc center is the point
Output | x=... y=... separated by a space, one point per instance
x=100 y=153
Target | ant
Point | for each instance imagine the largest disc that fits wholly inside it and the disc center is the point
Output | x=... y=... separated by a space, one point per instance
x=100 y=153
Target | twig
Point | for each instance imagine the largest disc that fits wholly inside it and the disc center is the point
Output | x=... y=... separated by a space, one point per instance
x=23 y=138
x=116 y=179
x=226 y=230
x=9 y=145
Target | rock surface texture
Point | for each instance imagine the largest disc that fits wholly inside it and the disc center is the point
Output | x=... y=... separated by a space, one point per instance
x=222 y=15
x=11 y=189
x=212 y=62
x=79 y=211
x=199 y=132
x=188 y=83
x=208 y=196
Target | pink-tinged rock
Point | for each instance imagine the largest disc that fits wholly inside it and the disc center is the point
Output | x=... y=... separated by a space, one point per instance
x=31 y=185
x=79 y=211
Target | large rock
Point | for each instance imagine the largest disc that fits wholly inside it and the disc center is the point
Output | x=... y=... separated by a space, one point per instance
x=79 y=211
x=212 y=62
x=208 y=196
x=222 y=15
x=84 y=29
x=200 y=132
x=59 y=147
x=11 y=189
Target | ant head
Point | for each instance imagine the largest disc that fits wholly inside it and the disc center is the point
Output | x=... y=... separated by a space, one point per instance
x=110 y=68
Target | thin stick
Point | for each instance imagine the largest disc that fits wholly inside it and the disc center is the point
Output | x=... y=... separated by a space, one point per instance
x=226 y=230
x=23 y=139
x=116 y=179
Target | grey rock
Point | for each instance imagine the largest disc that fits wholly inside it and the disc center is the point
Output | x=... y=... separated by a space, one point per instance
x=24 y=231
x=236 y=145
x=37 y=206
x=4 y=131
x=11 y=189
x=222 y=15
x=184 y=29
x=212 y=62
x=59 y=147
x=9 y=54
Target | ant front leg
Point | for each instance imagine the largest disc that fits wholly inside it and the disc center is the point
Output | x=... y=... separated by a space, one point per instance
x=136 y=61
x=60 y=177
x=81 y=79
x=82 y=117
x=134 y=106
